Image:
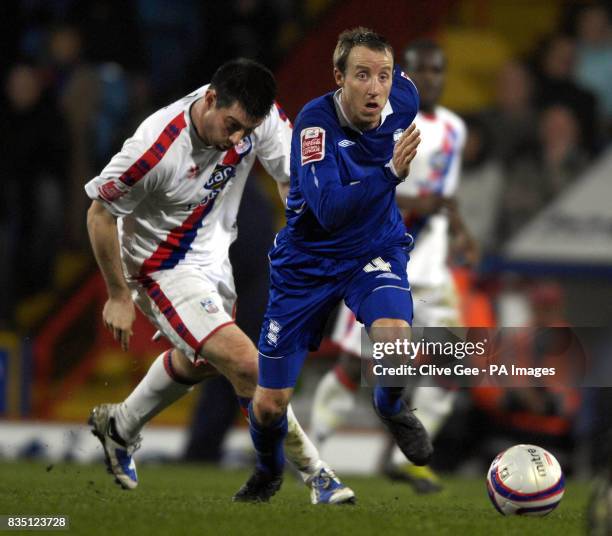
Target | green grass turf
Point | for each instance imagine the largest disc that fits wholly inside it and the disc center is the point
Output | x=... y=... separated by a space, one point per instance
x=190 y=499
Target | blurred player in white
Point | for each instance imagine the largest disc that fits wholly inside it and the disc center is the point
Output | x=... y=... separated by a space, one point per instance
x=431 y=216
x=161 y=222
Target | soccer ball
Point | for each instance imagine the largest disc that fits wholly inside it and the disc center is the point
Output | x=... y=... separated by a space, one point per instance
x=525 y=480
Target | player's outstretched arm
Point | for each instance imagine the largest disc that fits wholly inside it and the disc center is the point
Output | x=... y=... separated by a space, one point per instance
x=118 y=314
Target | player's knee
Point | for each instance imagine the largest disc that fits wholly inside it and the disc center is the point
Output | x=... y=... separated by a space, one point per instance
x=203 y=371
x=185 y=368
x=389 y=330
x=390 y=323
x=270 y=407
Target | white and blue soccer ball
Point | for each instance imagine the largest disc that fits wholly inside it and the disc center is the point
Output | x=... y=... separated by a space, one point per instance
x=525 y=480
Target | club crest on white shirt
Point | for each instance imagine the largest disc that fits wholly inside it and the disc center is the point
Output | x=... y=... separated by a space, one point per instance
x=243 y=146
x=209 y=306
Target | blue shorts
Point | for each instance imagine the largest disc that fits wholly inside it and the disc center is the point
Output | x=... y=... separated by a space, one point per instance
x=304 y=290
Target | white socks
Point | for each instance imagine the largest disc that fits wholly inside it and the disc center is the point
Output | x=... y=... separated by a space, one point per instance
x=299 y=449
x=161 y=387
x=155 y=392
x=332 y=403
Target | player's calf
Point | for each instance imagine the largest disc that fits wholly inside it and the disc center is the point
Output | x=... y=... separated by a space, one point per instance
x=268 y=428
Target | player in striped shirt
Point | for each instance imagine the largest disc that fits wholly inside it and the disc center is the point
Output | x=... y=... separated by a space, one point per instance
x=162 y=218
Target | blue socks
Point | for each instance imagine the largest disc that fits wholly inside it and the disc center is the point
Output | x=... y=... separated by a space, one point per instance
x=388 y=400
x=268 y=442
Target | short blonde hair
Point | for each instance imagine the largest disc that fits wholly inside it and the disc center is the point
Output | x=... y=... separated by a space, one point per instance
x=359 y=36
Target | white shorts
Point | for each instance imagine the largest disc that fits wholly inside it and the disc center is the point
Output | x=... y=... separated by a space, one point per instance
x=187 y=304
x=433 y=307
x=436 y=306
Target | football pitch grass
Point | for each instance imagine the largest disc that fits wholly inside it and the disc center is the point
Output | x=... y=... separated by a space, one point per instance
x=192 y=499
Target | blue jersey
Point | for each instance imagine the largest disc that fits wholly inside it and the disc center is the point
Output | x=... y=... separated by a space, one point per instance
x=341 y=201
x=344 y=239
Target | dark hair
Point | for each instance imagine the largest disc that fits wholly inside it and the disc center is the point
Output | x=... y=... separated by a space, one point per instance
x=359 y=36
x=247 y=82
x=418 y=47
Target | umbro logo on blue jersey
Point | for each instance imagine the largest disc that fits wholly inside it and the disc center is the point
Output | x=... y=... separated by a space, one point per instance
x=386 y=275
x=345 y=143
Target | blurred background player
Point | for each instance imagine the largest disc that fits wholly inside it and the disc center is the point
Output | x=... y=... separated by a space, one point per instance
x=162 y=218
x=431 y=215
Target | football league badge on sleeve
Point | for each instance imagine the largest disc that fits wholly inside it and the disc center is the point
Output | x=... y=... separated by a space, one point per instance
x=112 y=190
x=312 y=142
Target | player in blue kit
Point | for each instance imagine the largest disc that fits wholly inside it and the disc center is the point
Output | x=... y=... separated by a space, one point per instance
x=344 y=239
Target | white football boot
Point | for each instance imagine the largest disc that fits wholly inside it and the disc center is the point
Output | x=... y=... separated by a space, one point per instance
x=117 y=451
x=326 y=488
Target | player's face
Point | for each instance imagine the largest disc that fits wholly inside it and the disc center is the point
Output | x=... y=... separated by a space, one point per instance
x=427 y=70
x=366 y=85
x=223 y=128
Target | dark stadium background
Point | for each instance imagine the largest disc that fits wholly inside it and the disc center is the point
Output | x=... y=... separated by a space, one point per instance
x=77 y=77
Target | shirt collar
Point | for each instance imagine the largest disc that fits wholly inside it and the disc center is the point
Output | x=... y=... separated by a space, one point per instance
x=344 y=120
x=196 y=141
x=387 y=110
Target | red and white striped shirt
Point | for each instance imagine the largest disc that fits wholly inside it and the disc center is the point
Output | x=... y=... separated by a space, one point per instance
x=176 y=199
x=434 y=171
